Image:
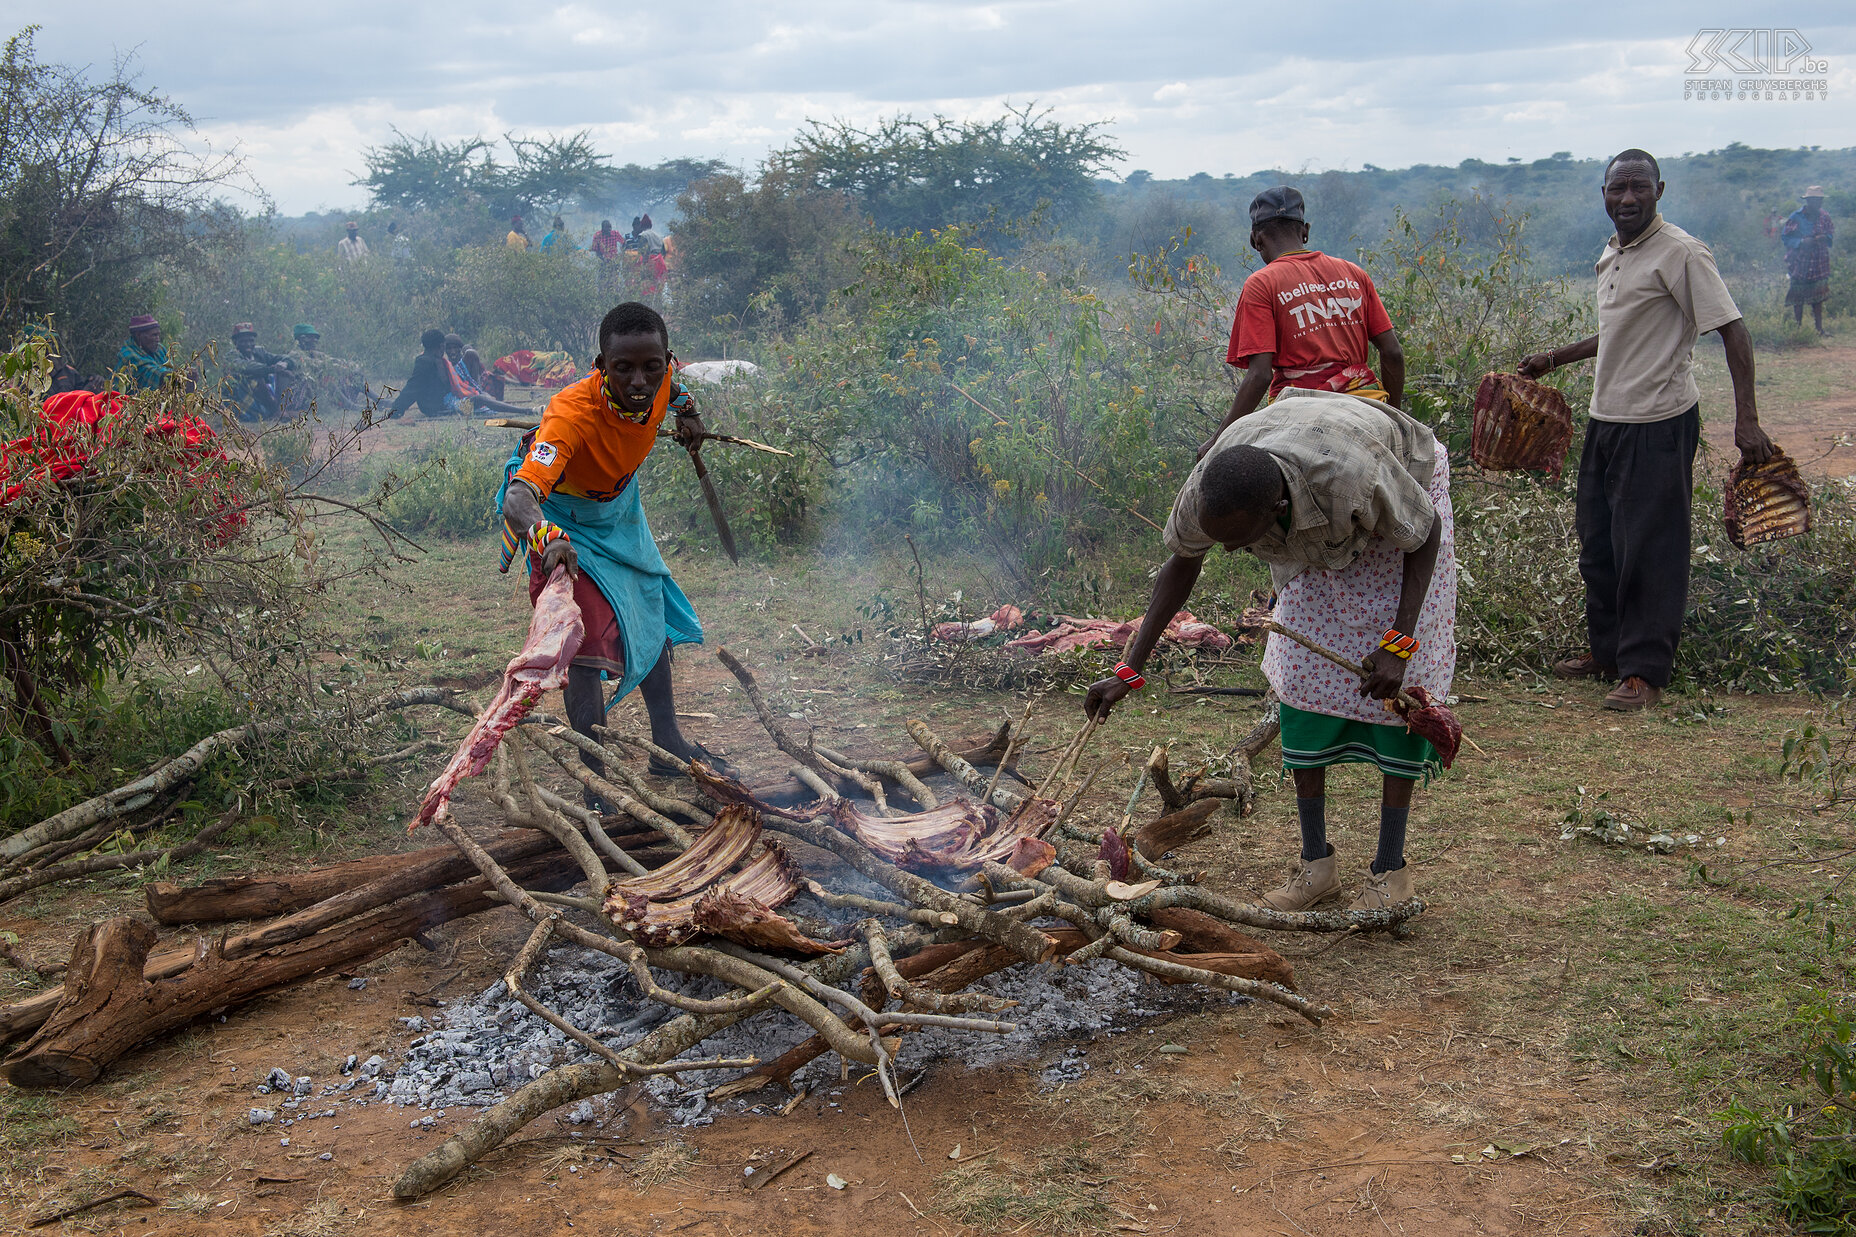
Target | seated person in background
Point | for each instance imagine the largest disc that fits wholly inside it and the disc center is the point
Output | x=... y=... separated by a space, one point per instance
x=429 y=386
x=143 y=361
x=64 y=375
x=488 y=380
x=251 y=372
x=464 y=388
x=326 y=379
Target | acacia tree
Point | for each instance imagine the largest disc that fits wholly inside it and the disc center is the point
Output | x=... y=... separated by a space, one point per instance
x=96 y=189
x=915 y=175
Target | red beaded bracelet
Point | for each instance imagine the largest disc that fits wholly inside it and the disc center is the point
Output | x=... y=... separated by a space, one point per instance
x=1129 y=675
x=1398 y=643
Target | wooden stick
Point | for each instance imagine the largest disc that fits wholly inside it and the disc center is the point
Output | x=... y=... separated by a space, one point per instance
x=1011 y=744
x=80 y=1208
x=1360 y=667
x=973 y=778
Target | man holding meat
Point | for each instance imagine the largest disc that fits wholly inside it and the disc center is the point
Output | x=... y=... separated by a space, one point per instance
x=1658 y=291
x=570 y=497
x=1348 y=501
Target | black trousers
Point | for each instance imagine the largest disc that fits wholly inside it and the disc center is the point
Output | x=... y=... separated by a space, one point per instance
x=1635 y=481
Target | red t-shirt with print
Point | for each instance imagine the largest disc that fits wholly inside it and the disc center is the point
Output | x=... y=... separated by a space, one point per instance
x=1312 y=310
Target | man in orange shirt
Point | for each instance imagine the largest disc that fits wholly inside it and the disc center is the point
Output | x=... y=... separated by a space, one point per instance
x=1306 y=318
x=570 y=495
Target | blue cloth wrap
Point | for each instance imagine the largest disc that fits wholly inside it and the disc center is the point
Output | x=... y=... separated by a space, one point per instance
x=614 y=546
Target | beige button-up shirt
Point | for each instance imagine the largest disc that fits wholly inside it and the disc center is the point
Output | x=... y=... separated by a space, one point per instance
x=1355 y=469
x=1656 y=296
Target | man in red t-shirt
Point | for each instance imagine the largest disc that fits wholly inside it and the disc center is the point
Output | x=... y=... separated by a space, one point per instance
x=1306 y=318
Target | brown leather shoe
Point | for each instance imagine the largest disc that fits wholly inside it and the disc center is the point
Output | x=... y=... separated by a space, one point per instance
x=1384 y=889
x=1633 y=695
x=1311 y=882
x=1584 y=666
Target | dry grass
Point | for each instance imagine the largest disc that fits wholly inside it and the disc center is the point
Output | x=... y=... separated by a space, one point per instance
x=323 y=1218
x=666 y=1163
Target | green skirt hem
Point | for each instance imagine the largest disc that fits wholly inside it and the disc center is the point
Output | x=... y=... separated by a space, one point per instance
x=1317 y=740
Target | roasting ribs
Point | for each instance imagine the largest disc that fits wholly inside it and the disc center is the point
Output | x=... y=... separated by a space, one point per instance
x=956 y=837
x=700 y=892
x=1519 y=424
x=1766 y=503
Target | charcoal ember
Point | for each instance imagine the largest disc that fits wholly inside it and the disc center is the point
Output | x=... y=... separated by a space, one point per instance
x=1519 y=424
x=1766 y=503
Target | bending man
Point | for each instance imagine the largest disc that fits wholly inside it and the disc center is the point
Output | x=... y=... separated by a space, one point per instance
x=1348 y=501
x=570 y=496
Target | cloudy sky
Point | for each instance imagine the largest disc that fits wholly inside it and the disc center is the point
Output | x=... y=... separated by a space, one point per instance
x=1190 y=86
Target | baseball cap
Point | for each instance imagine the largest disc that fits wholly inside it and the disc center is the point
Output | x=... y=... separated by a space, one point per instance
x=1282 y=202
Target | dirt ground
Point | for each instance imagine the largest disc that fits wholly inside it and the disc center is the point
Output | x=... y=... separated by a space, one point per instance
x=1481 y=1075
x=1805 y=404
x=1542 y=1053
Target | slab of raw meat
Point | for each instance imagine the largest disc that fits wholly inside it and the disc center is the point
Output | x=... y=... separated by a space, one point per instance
x=554 y=635
x=1088 y=633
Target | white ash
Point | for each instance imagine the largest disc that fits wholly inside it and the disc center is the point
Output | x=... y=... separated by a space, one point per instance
x=490 y=1044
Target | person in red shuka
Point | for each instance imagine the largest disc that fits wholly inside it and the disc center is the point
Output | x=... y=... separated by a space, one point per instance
x=1306 y=318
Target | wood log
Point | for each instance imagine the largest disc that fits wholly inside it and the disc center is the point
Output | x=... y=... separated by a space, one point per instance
x=1268 y=967
x=1175 y=829
x=106 y=1006
x=260 y=897
x=24 y=1016
x=1205 y=934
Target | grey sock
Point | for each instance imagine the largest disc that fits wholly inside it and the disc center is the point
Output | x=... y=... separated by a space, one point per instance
x=1391 y=856
x=1314 y=814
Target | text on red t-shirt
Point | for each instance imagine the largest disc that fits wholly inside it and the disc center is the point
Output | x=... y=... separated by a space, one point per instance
x=1309 y=309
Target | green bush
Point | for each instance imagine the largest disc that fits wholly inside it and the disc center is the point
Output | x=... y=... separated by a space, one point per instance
x=1778 y=616
x=452 y=493
x=1810 y=1142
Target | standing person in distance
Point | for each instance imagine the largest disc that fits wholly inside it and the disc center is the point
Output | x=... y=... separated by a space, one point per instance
x=1807 y=235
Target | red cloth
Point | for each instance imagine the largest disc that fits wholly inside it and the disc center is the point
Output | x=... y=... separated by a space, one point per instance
x=73 y=424
x=601 y=645
x=1313 y=311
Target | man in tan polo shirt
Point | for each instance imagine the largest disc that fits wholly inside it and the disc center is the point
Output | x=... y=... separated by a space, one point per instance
x=1658 y=291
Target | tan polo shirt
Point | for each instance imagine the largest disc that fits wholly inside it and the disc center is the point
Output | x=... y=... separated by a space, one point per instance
x=1355 y=468
x=1656 y=296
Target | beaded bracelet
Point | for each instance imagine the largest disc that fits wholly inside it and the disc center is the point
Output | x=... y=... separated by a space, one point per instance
x=544 y=532
x=1398 y=643
x=1129 y=675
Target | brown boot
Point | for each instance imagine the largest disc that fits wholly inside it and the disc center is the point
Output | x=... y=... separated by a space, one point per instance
x=1383 y=889
x=1633 y=695
x=1311 y=882
x=1584 y=666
